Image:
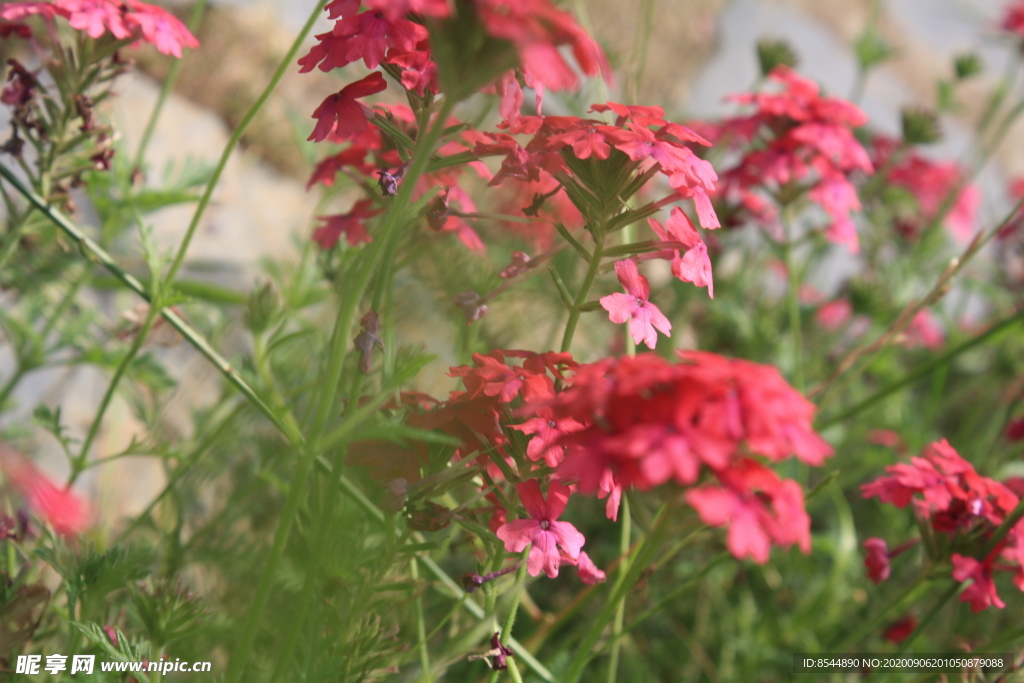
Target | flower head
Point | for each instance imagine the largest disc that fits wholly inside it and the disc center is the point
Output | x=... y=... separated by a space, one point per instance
x=542 y=529
x=68 y=514
x=341 y=114
x=633 y=306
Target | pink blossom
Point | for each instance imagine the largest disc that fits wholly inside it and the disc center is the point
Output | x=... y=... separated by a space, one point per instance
x=542 y=530
x=834 y=314
x=924 y=331
x=982 y=591
x=634 y=306
x=695 y=265
x=68 y=514
x=349 y=224
x=877 y=560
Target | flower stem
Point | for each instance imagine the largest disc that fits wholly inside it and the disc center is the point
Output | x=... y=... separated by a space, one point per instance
x=286 y=63
x=510 y=618
x=793 y=300
x=421 y=628
x=581 y=296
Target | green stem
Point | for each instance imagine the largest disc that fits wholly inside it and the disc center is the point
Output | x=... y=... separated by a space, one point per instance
x=916 y=590
x=14 y=238
x=165 y=89
x=992 y=332
x=581 y=296
x=421 y=628
x=644 y=552
x=510 y=618
x=236 y=136
x=620 y=613
x=928 y=618
x=79 y=463
x=5 y=393
x=793 y=301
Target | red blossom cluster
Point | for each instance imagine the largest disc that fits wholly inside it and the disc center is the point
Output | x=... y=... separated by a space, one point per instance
x=804 y=144
x=647 y=421
x=123 y=19
x=930 y=183
x=950 y=495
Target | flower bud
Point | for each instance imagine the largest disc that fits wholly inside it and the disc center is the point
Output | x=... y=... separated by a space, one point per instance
x=262 y=308
x=774 y=52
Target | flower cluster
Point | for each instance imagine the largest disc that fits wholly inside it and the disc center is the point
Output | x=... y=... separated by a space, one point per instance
x=796 y=141
x=646 y=421
x=128 y=20
x=953 y=499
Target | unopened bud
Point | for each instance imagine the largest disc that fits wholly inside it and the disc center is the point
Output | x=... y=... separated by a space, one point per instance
x=262 y=307
x=772 y=53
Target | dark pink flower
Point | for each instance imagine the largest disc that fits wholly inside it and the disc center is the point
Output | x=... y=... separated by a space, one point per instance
x=900 y=630
x=982 y=591
x=588 y=571
x=924 y=331
x=634 y=306
x=877 y=559
x=341 y=114
x=368 y=35
x=546 y=431
x=1013 y=19
x=543 y=530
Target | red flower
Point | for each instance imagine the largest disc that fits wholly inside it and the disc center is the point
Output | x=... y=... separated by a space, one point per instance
x=900 y=630
x=546 y=432
x=743 y=505
x=633 y=306
x=349 y=224
x=68 y=514
x=982 y=591
x=834 y=314
x=924 y=331
x=341 y=114
x=953 y=495
x=1013 y=19
x=542 y=530
x=877 y=560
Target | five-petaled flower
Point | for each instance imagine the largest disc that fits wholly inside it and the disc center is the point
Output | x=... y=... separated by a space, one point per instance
x=543 y=529
x=634 y=306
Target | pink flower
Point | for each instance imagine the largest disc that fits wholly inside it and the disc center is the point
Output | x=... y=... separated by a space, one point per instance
x=159 y=27
x=982 y=592
x=68 y=514
x=542 y=530
x=695 y=265
x=1013 y=19
x=588 y=571
x=546 y=431
x=633 y=306
x=834 y=314
x=924 y=331
x=341 y=114
x=94 y=17
x=877 y=560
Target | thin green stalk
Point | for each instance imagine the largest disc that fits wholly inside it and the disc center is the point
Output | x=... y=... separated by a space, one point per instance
x=916 y=590
x=793 y=301
x=990 y=334
x=165 y=89
x=620 y=613
x=14 y=238
x=644 y=552
x=928 y=618
x=236 y=135
x=5 y=393
x=78 y=464
x=421 y=628
x=581 y=296
x=510 y=618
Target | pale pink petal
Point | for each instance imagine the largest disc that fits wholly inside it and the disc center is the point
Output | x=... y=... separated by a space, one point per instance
x=517 y=534
x=631 y=279
x=568 y=537
x=620 y=306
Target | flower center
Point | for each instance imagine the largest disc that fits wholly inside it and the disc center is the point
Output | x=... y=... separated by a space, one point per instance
x=551 y=424
x=545 y=524
x=640 y=302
